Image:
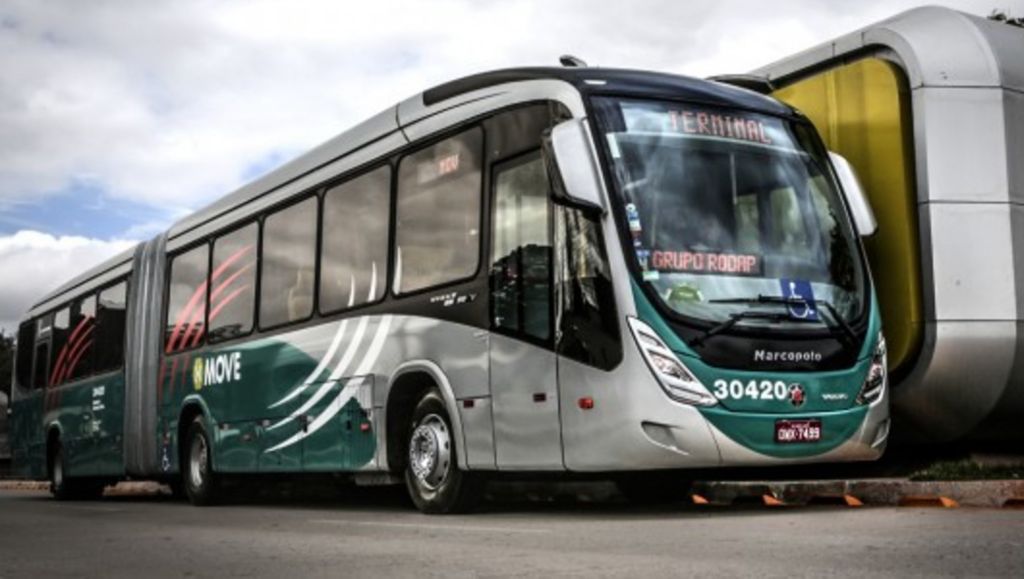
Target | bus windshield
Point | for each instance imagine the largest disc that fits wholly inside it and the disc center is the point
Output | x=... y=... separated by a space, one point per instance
x=732 y=211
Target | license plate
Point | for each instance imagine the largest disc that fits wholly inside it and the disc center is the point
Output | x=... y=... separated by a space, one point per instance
x=790 y=431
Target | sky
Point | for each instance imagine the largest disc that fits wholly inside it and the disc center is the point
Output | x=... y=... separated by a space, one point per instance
x=119 y=117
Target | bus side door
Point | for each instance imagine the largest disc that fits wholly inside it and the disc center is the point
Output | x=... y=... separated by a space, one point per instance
x=523 y=365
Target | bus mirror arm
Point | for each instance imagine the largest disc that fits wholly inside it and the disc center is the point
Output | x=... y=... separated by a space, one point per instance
x=856 y=197
x=569 y=158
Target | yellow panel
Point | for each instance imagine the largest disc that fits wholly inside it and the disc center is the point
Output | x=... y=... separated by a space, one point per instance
x=862 y=111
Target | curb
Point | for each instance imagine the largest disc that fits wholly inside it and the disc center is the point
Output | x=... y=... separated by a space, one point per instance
x=856 y=493
x=847 y=493
x=133 y=488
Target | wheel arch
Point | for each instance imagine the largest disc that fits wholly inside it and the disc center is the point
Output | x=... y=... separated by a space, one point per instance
x=406 y=386
x=191 y=407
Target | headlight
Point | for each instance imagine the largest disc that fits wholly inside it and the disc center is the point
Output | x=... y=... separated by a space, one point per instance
x=675 y=378
x=878 y=375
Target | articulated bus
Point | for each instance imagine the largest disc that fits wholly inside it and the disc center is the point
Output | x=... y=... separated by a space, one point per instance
x=538 y=270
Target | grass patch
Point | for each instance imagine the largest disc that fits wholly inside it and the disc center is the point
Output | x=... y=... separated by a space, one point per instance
x=968 y=470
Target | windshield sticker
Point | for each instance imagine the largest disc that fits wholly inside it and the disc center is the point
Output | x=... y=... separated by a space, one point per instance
x=800 y=291
x=643 y=256
x=706 y=262
x=633 y=216
x=684 y=293
x=635 y=229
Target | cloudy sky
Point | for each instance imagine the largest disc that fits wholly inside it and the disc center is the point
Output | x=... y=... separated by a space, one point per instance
x=118 y=117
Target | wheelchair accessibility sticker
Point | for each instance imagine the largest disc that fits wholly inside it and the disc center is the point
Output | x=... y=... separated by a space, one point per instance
x=800 y=292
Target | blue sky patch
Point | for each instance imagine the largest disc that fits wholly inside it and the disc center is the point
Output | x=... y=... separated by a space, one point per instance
x=82 y=209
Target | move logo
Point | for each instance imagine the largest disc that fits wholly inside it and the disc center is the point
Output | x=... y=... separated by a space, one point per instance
x=219 y=369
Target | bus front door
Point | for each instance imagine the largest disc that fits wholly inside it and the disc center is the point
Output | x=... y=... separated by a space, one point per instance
x=524 y=367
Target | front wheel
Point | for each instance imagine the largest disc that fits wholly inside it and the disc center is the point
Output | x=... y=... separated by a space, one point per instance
x=432 y=476
x=200 y=481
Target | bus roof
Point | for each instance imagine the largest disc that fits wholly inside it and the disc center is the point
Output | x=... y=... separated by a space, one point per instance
x=586 y=80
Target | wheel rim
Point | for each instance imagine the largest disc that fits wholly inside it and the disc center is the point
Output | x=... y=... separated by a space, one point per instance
x=197 y=462
x=58 y=471
x=430 y=452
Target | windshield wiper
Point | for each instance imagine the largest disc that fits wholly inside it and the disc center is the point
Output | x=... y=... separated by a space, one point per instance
x=838 y=322
x=737 y=317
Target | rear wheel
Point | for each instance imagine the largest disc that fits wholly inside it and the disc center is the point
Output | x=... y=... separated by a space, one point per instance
x=65 y=488
x=432 y=476
x=201 y=483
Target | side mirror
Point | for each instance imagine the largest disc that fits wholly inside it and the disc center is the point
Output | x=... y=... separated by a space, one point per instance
x=863 y=216
x=571 y=163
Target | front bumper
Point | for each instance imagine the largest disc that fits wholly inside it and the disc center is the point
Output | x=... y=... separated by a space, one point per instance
x=670 y=435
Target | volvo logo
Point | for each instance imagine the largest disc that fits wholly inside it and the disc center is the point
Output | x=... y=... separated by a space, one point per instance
x=797 y=397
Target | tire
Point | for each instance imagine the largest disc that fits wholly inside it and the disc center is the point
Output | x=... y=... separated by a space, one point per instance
x=65 y=488
x=653 y=488
x=202 y=485
x=432 y=475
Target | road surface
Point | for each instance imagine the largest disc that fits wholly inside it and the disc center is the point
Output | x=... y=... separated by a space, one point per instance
x=373 y=533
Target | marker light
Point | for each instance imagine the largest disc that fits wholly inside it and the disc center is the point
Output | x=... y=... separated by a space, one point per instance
x=878 y=375
x=675 y=378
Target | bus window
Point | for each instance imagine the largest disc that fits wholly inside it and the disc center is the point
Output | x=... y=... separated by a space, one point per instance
x=42 y=364
x=186 y=299
x=23 y=367
x=78 y=361
x=288 y=264
x=58 y=345
x=438 y=232
x=43 y=326
x=110 y=322
x=354 y=256
x=587 y=319
x=233 y=289
x=521 y=248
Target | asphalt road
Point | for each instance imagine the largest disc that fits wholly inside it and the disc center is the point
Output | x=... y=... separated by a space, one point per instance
x=374 y=533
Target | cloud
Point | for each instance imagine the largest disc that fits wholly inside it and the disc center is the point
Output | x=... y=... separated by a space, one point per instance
x=33 y=263
x=169 y=103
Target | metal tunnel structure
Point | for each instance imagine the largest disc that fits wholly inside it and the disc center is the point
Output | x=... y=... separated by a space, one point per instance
x=928 y=106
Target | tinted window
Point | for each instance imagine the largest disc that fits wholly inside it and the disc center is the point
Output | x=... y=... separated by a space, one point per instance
x=110 y=323
x=186 y=300
x=233 y=284
x=43 y=326
x=59 y=343
x=521 y=248
x=41 y=365
x=23 y=366
x=438 y=235
x=354 y=256
x=288 y=264
x=78 y=362
x=586 y=311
